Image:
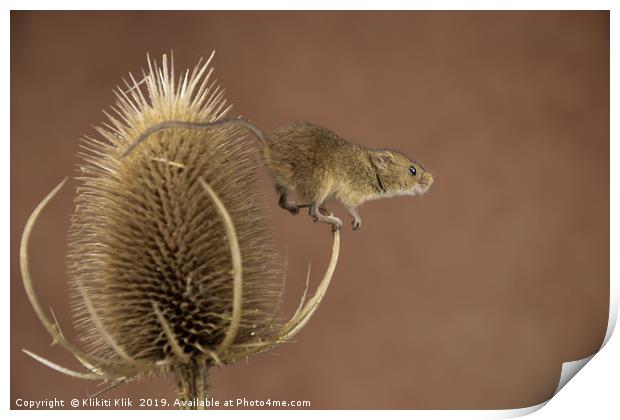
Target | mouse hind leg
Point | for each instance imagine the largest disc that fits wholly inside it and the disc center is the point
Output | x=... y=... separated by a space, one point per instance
x=284 y=203
x=316 y=211
x=293 y=207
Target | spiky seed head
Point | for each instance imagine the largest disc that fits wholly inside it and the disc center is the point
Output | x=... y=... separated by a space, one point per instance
x=148 y=247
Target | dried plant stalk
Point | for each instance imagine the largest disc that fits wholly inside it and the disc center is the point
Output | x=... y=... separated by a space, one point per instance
x=171 y=261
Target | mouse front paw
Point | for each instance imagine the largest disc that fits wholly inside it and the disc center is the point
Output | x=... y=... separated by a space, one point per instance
x=356 y=224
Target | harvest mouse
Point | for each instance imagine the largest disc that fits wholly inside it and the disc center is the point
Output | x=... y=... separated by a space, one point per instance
x=319 y=165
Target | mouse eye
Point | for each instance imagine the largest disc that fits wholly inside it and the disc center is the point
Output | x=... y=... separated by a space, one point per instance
x=412 y=170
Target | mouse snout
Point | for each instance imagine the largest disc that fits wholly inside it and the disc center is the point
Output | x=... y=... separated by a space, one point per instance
x=428 y=178
x=425 y=182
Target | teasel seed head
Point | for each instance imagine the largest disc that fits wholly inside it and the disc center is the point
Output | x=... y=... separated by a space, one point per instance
x=171 y=259
x=147 y=243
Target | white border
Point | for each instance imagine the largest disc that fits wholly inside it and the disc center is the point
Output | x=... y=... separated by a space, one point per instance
x=594 y=394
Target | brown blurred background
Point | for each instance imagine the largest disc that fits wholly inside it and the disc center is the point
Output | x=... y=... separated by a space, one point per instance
x=469 y=297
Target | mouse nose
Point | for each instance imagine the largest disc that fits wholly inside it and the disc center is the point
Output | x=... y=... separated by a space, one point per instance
x=428 y=178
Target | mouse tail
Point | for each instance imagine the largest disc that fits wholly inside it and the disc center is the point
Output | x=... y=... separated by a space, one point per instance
x=226 y=122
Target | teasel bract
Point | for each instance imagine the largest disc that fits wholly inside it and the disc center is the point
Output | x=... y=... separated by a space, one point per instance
x=171 y=260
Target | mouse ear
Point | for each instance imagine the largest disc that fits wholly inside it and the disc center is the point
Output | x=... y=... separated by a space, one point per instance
x=382 y=158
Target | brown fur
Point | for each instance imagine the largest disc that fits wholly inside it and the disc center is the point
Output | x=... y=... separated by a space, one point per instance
x=319 y=165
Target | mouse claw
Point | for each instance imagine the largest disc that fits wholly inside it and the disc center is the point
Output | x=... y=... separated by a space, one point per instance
x=356 y=224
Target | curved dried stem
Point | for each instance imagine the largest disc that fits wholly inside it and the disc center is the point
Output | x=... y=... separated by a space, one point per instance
x=62 y=369
x=176 y=348
x=88 y=366
x=303 y=296
x=99 y=325
x=301 y=317
x=235 y=253
x=83 y=362
x=53 y=328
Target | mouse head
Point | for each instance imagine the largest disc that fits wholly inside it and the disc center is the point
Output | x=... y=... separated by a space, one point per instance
x=399 y=175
